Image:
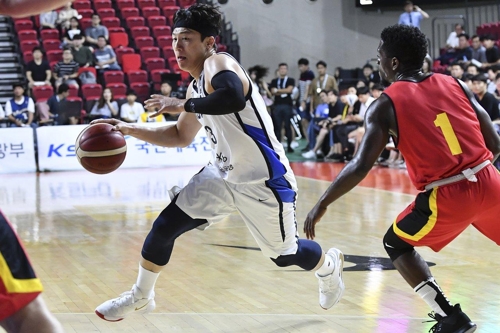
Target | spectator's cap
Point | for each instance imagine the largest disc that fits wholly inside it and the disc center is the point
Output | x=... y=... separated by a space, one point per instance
x=480 y=77
x=131 y=93
x=362 y=91
x=19 y=84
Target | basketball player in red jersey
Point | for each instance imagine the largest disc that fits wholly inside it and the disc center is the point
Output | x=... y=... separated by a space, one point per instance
x=448 y=142
x=22 y=308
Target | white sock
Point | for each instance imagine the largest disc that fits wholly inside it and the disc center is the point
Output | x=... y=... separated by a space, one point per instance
x=432 y=294
x=327 y=267
x=146 y=281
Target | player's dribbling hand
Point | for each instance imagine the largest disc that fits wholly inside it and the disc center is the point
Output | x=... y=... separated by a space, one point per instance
x=164 y=104
x=118 y=125
x=313 y=217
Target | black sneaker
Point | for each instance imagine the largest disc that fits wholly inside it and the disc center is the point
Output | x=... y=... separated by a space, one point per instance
x=457 y=322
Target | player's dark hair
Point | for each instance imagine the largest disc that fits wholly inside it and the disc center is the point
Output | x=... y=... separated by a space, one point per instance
x=62 y=88
x=207 y=18
x=407 y=44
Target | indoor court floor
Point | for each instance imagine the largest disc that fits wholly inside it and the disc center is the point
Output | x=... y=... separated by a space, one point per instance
x=84 y=233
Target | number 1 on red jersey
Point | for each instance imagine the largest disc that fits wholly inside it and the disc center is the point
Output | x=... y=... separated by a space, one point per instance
x=442 y=121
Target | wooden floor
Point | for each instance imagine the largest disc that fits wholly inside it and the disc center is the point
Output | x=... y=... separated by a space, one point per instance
x=84 y=234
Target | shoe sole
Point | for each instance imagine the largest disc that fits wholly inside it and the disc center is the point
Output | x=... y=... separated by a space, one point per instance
x=340 y=256
x=151 y=305
x=468 y=328
x=100 y=315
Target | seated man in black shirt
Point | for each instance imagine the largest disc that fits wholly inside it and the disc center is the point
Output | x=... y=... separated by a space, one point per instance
x=492 y=54
x=38 y=70
x=53 y=103
x=487 y=100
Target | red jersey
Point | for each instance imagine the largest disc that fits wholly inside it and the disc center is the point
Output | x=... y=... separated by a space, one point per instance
x=439 y=134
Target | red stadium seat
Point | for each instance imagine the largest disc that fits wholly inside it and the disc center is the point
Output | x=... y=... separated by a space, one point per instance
x=139 y=32
x=168 y=52
x=131 y=62
x=42 y=92
x=164 y=3
x=85 y=23
x=164 y=41
x=116 y=30
x=146 y=3
x=101 y=4
x=27 y=35
x=86 y=13
x=150 y=11
x=186 y=3
x=24 y=24
x=162 y=30
x=169 y=12
x=118 y=39
x=49 y=34
x=54 y=55
x=172 y=63
x=114 y=77
x=125 y=4
x=150 y=52
x=143 y=41
x=156 y=75
x=111 y=22
x=73 y=91
x=135 y=21
x=81 y=4
x=121 y=51
x=154 y=21
x=91 y=90
x=137 y=76
x=142 y=90
x=27 y=56
x=130 y=12
x=155 y=63
x=28 y=45
x=51 y=44
x=106 y=12
x=87 y=69
x=118 y=89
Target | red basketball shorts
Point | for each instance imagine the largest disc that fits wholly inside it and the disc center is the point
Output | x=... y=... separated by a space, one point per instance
x=18 y=283
x=439 y=215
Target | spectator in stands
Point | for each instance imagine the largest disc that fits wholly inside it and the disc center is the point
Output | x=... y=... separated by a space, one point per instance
x=487 y=100
x=467 y=78
x=377 y=90
x=412 y=15
x=472 y=69
x=72 y=32
x=53 y=103
x=257 y=74
x=322 y=82
x=321 y=127
x=131 y=111
x=478 y=50
x=282 y=88
x=65 y=15
x=93 y=32
x=144 y=118
x=456 y=70
x=452 y=41
x=497 y=84
x=48 y=20
x=427 y=65
x=105 y=107
x=105 y=56
x=462 y=54
x=38 y=70
x=2 y=113
x=304 y=100
x=82 y=55
x=369 y=76
x=492 y=54
x=66 y=71
x=21 y=109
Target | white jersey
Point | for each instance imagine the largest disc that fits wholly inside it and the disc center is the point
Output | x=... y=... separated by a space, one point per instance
x=244 y=147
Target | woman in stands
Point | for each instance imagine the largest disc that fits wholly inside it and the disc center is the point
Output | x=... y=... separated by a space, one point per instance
x=74 y=29
x=105 y=107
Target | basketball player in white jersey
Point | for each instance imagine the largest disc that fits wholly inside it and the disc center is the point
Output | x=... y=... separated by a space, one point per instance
x=249 y=172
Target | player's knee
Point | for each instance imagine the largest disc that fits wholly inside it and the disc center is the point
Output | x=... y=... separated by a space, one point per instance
x=395 y=246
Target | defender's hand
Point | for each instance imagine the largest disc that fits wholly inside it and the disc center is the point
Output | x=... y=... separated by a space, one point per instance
x=313 y=217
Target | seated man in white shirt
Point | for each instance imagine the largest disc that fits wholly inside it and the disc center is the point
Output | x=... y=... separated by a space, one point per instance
x=452 y=41
x=131 y=111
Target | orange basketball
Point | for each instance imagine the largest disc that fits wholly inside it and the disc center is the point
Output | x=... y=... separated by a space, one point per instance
x=100 y=149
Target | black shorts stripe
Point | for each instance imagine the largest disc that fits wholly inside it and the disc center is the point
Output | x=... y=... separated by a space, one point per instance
x=412 y=223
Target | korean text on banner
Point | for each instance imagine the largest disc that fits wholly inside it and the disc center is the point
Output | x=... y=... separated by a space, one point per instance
x=17 y=150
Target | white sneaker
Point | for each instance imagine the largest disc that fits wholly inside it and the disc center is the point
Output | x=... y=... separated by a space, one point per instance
x=331 y=286
x=309 y=154
x=294 y=144
x=127 y=303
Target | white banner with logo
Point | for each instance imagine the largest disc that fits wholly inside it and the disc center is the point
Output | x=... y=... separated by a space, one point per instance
x=17 y=150
x=56 y=150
